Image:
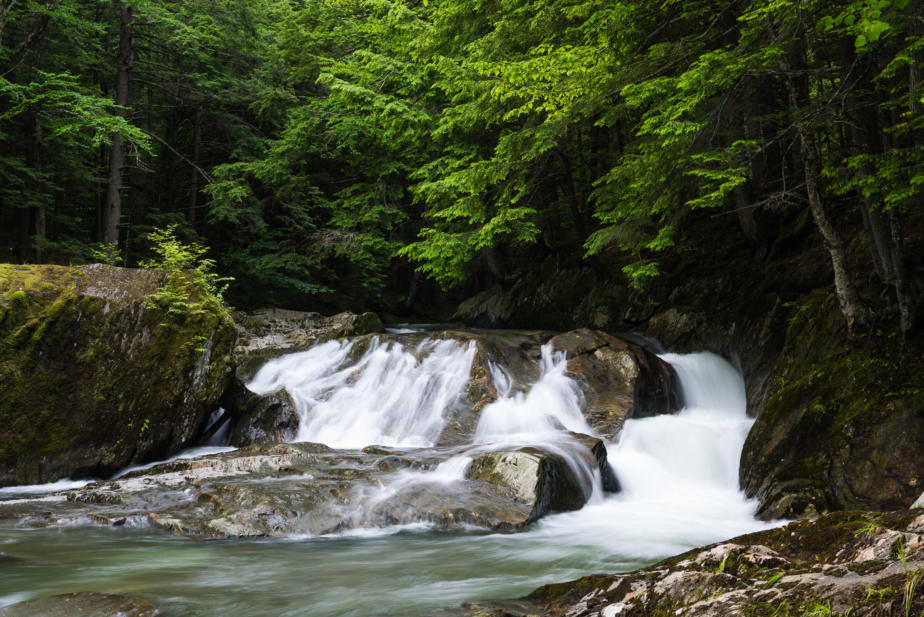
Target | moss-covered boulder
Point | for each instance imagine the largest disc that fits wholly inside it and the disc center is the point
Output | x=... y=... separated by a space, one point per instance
x=92 y=378
x=843 y=427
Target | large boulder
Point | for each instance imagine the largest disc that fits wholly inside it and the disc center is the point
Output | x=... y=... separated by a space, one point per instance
x=84 y=604
x=843 y=427
x=846 y=563
x=94 y=377
x=622 y=380
x=543 y=480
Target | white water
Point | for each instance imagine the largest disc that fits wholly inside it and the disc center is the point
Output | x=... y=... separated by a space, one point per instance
x=552 y=403
x=679 y=473
x=389 y=397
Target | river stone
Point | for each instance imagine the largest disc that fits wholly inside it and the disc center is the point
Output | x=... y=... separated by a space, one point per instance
x=83 y=604
x=94 y=379
x=919 y=502
x=535 y=477
x=259 y=418
x=542 y=477
x=621 y=379
x=598 y=449
x=268 y=333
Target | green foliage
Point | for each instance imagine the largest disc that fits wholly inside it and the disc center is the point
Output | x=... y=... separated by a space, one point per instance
x=323 y=147
x=192 y=287
x=108 y=254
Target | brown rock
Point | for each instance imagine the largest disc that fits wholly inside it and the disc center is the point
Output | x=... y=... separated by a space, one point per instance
x=82 y=604
x=622 y=380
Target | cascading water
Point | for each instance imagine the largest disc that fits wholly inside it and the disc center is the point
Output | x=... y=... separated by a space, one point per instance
x=540 y=417
x=678 y=473
x=388 y=397
x=552 y=403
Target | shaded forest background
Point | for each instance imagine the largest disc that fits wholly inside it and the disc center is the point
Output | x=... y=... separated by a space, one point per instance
x=389 y=154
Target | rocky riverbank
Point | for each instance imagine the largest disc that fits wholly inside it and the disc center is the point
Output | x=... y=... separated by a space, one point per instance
x=861 y=564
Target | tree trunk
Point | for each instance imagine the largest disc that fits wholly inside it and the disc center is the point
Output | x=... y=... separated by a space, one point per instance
x=194 y=175
x=117 y=153
x=902 y=288
x=40 y=234
x=574 y=202
x=746 y=219
x=847 y=296
x=25 y=231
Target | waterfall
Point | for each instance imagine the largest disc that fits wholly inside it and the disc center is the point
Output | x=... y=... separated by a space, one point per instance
x=695 y=451
x=679 y=476
x=553 y=403
x=679 y=472
x=390 y=396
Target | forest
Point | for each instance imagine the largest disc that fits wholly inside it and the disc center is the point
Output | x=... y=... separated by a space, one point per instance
x=350 y=152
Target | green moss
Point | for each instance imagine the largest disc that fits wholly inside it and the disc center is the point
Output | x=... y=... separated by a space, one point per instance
x=867 y=567
x=84 y=358
x=829 y=394
x=19 y=301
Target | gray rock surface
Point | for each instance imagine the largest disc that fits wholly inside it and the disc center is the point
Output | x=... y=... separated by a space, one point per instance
x=268 y=333
x=543 y=481
x=305 y=488
x=256 y=418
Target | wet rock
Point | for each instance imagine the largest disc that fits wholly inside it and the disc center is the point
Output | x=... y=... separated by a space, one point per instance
x=541 y=479
x=843 y=427
x=256 y=418
x=94 y=378
x=827 y=566
x=83 y=603
x=518 y=352
x=268 y=333
x=750 y=337
x=598 y=449
x=304 y=488
x=622 y=380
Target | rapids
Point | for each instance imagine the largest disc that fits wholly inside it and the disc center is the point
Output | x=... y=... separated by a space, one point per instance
x=679 y=475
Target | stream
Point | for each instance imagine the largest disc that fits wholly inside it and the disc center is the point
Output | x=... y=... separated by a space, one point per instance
x=679 y=477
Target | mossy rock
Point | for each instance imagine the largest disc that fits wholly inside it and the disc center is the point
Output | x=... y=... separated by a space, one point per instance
x=843 y=427
x=94 y=378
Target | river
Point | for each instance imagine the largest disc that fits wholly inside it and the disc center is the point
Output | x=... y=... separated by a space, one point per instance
x=679 y=475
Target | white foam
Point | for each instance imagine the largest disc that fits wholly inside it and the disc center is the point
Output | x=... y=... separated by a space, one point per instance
x=390 y=396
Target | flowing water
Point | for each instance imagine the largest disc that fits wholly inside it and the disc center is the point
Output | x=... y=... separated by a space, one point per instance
x=679 y=475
